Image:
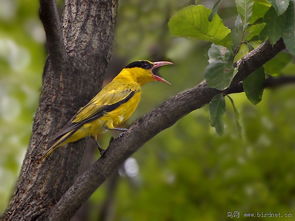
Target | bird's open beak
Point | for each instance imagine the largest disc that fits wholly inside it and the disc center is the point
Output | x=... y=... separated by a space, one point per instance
x=158 y=64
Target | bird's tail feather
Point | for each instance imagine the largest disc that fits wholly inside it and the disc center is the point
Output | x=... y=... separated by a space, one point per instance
x=56 y=145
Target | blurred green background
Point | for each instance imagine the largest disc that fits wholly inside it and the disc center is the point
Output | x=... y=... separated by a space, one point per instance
x=187 y=172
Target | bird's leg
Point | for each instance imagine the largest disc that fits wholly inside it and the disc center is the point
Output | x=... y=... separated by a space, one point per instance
x=103 y=152
x=100 y=149
x=115 y=131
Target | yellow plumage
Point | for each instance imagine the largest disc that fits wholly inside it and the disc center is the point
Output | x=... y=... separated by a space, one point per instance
x=111 y=107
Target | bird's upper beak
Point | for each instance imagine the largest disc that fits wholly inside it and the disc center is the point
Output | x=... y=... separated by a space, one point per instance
x=158 y=64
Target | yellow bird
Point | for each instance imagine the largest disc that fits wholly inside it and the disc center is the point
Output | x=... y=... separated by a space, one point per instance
x=111 y=107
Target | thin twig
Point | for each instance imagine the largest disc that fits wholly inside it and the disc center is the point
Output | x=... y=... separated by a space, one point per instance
x=270 y=82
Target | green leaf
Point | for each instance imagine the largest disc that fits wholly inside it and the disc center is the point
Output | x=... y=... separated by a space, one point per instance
x=280 y=5
x=259 y=10
x=281 y=26
x=243 y=50
x=216 y=110
x=254 y=44
x=253 y=86
x=245 y=10
x=238 y=32
x=192 y=21
x=219 y=72
x=254 y=30
x=219 y=53
x=289 y=29
x=218 y=75
x=274 y=26
x=275 y=65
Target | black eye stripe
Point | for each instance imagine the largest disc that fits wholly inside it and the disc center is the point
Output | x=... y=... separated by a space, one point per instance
x=140 y=64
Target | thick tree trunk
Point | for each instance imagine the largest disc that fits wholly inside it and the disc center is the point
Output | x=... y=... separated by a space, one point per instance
x=72 y=75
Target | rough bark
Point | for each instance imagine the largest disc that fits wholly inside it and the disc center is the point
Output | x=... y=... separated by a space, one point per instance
x=148 y=126
x=79 y=51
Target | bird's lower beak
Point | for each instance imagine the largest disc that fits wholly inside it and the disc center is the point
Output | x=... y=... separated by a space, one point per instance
x=158 y=78
x=158 y=64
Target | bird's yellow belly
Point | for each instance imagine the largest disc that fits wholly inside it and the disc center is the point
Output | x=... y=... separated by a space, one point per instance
x=110 y=120
x=118 y=116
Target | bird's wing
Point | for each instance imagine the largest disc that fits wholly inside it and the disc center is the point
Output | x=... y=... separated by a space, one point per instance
x=97 y=108
x=108 y=99
x=105 y=101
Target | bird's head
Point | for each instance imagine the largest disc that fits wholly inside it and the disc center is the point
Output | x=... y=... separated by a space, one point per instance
x=144 y=71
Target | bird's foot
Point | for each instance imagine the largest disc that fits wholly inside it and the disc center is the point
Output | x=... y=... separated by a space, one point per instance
x=121 y=134
x=102 y=153
x=100 y=149
x=118 y=129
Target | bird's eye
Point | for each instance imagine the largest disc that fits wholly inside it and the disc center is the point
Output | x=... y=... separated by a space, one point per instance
x=147 y=65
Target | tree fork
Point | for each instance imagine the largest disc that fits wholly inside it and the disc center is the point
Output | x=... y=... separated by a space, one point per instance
x=79 y=49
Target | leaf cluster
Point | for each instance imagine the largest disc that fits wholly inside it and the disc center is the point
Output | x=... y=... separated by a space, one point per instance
x=256 y=21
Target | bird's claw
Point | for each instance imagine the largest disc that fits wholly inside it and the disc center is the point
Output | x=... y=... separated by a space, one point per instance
x=102 y=153
x=121 y=134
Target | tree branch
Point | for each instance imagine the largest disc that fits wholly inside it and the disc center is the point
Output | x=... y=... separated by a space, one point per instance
x=256 y=58
x=273 y=82
x=270 y=82
x=53 y=29
x=147 y=127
